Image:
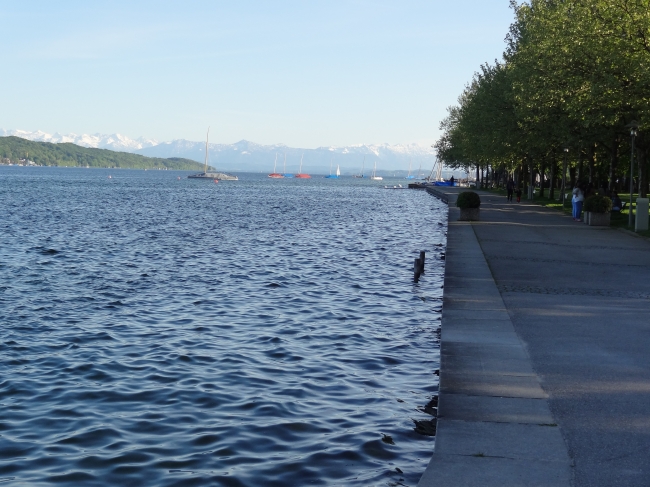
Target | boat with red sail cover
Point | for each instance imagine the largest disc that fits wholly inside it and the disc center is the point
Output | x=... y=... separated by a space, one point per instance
x=300 y=174
x=276 y=175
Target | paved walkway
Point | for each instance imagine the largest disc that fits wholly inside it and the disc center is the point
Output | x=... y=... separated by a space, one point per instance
x=545 y=358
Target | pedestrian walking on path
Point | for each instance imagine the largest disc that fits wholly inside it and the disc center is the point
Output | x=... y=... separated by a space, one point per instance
x=576 y=200
x=510 y=188
x=518 y=195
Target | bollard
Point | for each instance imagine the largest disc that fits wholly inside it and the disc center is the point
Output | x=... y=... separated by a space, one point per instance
x=641 y=220
x=416 y=270
x=422 y=259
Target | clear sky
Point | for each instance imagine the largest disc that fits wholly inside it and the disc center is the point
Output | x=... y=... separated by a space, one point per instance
x=305 y=73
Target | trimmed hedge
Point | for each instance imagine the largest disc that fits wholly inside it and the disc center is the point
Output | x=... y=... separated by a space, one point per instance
x=468 y=199
x=598 y=204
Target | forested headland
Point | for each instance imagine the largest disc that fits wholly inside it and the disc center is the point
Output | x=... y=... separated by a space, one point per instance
x=14 y=150
x=573 y=83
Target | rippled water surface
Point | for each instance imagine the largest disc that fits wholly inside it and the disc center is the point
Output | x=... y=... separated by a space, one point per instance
x=161 y=331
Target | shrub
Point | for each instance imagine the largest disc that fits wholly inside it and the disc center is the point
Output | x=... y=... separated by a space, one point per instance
x=598 y=204
x=468 y=199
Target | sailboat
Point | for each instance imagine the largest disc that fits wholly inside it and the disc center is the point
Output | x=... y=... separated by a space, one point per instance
x=362 y=165
x=274 y=174
x=374 y=176
x=284 y=171
x=216 y=176
x=408 y=176
x=338 y=171
x=300 y=174
x=335 y=176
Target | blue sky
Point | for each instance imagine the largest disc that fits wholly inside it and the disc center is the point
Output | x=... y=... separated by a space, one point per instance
x=303 y=73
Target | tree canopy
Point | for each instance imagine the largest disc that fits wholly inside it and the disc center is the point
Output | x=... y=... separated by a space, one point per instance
x=574 y=75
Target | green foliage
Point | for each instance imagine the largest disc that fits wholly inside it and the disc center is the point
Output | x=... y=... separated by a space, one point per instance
x=574 y=74
x=598 y=204
x=468 y=199
x=13 y=149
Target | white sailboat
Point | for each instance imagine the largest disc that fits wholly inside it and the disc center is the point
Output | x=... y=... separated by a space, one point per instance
x=374 y=176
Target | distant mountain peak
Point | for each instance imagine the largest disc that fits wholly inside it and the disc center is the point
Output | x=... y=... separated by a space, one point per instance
x=247 y=155
x=116 y=142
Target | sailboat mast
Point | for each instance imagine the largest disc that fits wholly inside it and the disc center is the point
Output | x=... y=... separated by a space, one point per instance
x=432 y=169
x=275 y=163
x=300 y=172
x=285 y=163
x=207 y=136
x=363 y=165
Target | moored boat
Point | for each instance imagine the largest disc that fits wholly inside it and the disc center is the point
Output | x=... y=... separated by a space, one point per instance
x=360 y=175
x=300 y=174
x=214 y=176
x=284 y=170
x=409 y=175
x=335 y=176
x=276 y=175
x=374 y=176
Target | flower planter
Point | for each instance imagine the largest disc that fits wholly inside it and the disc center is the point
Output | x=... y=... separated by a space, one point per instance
x=599 y=219
x=469 y=214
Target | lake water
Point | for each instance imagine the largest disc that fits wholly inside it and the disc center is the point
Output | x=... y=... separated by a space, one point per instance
x=161 y=331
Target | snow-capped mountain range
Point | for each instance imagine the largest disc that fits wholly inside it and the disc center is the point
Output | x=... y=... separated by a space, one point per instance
x=249 y=156
x=114 y=142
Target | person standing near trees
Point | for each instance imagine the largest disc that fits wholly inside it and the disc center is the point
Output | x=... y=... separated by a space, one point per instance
x=576 y=200
x=510 y=188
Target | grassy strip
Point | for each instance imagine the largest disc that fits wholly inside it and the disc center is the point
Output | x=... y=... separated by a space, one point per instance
x=618 y=219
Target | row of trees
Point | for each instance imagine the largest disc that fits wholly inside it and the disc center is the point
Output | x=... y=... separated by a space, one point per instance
x=574 y=80
x=15 y=149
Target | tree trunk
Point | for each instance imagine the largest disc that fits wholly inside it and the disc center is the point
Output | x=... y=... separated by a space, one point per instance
x=613 y=162
x=531 y=185
x=551 y=188
x=592 y=162
x=581 y=169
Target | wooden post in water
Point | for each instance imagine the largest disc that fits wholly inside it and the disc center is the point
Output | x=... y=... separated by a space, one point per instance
x=422 y=259
x=417 y=267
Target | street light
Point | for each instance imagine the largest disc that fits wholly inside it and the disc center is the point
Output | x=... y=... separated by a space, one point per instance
x=566 y=153
x=633 y=126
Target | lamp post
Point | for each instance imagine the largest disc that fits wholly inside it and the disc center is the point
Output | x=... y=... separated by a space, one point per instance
x=566 y=153
x=633 y=126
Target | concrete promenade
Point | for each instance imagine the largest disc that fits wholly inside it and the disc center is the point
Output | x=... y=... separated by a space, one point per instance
x=545 y=352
